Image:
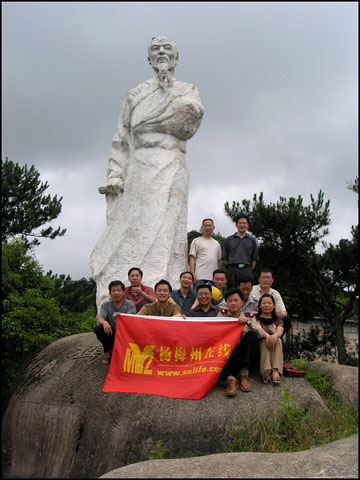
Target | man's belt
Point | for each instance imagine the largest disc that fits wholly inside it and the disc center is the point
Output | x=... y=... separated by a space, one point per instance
x=239 y=265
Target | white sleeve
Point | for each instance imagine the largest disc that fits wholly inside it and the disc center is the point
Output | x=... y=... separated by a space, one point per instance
x=193 y=249
x=219 y=251
x=278 y=301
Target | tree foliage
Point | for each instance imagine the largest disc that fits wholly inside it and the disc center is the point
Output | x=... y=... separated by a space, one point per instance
x=339 y=276
x=74 y=295
x=353 y=186
x=30 y=315
x=24 y=206
x=340 y=262
x=287 y=225
x=288 y=233
x=38 y=309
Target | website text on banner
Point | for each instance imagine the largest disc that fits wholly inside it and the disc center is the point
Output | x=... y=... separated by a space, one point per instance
x=173 y=358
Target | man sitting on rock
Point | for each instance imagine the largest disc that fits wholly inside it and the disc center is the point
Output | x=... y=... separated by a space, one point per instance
x=250 y=303
x=162 y=307
x=205 y=307
x=185 y=296
x=218 y=286
x=246 y=354
x=266 y=279
x=106 y=319
x=138 y=293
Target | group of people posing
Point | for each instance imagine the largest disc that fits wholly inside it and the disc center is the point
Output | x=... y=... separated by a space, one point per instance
x=221 y=293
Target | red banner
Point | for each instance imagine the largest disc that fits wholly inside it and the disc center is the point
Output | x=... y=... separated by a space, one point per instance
x=170 y=357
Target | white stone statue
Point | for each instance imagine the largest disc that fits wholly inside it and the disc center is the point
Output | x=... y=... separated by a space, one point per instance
x=147 y=178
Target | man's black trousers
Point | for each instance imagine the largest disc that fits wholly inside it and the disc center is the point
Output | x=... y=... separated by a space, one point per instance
x=245 y=355
x=106 y=340
x=235 y=275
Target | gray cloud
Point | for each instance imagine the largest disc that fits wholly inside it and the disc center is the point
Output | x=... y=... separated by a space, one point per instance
x=278 y=82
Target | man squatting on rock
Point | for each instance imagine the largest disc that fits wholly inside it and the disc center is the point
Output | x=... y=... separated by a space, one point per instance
x=246 y=354
x=106 y=318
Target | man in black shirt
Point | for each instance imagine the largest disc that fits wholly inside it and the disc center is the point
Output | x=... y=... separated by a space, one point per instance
x=240 y=253
x=205 y=307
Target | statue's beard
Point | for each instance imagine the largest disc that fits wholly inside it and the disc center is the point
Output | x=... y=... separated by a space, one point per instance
x=163 y=68
x=163 y=74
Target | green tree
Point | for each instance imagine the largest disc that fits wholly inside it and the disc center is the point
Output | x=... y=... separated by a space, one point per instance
x=191 y=236
x=74 y=295
x=287 y=225
x=77 y=300
x=37 y=309
x=24 y=206
x=31 y=316
x=288 y=233
x=353 y=186
x=336 y=275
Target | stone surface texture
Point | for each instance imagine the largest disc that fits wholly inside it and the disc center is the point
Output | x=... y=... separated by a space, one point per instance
x=344 y=380
x=147 y=178
x=335 y=460
x=59 y=423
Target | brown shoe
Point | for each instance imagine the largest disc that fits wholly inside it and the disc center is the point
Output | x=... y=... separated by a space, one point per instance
x=245 y=385
x=232 y=388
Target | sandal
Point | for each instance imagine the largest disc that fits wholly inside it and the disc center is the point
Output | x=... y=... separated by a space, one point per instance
x=277 y=378
x=267 y=379
x=107 y=358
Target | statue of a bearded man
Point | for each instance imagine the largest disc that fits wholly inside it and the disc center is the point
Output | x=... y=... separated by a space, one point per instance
x=147 y=178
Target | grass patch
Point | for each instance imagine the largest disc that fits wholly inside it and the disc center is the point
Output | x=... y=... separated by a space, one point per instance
x=293 y=428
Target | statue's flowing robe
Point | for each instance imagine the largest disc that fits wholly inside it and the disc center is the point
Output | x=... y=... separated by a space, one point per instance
x=147 y=218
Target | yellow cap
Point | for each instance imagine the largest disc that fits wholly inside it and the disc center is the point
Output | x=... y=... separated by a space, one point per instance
x=216 y=293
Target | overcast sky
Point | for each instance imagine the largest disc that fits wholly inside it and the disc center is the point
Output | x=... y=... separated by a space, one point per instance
x=278 y=82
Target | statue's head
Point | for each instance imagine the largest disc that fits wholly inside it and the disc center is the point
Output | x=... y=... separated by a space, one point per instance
x=163 y=51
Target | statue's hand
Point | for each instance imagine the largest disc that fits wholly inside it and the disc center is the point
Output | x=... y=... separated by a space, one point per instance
x=111 y=187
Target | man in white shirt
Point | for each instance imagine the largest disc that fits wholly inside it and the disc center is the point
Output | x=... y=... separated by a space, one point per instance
x=205 y=253
x=266 y=279
x=250 y=303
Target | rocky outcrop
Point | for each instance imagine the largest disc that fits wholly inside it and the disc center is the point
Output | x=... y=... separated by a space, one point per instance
x=59 y=423
x=335 y=460
x=344 y=380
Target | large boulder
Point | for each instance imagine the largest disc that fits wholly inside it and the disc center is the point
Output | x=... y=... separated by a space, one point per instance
x=334 y=460
x=59 y=423
x=344 y=380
